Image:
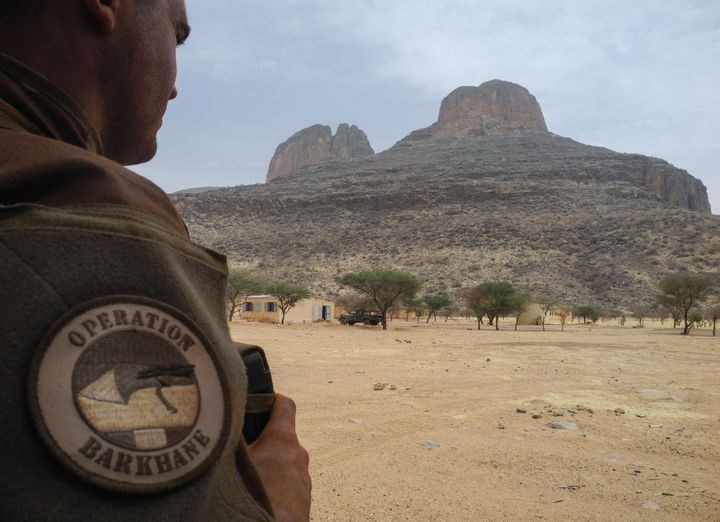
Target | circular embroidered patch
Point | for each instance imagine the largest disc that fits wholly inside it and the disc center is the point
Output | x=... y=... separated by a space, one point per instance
x=130 y=395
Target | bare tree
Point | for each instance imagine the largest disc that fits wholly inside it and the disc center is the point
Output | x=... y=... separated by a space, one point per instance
x=563 y=312
x=545 y=303
x=712 y=314
x=476 y=303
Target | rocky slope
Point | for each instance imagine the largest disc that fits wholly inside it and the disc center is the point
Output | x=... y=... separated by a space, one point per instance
x=515 y=202
x=316 y=144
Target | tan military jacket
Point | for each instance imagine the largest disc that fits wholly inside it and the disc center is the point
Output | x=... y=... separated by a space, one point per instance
x=121 y=395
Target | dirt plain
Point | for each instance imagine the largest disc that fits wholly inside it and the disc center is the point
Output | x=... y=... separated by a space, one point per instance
x=451 y=434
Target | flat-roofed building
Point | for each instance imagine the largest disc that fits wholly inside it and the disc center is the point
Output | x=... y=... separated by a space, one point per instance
x=266 y=308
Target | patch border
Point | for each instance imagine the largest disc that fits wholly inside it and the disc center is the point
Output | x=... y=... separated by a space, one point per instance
x=49 y=440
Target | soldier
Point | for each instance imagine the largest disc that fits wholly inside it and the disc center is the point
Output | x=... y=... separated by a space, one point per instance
x=122 y=396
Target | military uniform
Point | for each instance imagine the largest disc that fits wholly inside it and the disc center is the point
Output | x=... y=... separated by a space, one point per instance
x=122 y=396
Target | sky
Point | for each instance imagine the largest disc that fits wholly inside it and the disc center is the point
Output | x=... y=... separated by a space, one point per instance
x=640 y=76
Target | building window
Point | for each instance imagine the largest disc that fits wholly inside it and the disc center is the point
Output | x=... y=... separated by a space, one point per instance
x=248 y=307
x=270 y=307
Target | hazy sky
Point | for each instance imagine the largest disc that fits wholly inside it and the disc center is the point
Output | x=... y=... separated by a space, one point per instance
x=634 y=76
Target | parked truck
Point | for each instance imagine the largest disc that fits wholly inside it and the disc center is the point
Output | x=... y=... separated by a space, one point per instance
x=361 y=316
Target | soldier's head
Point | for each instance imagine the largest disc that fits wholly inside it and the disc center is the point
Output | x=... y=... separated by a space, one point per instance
x=115 y=58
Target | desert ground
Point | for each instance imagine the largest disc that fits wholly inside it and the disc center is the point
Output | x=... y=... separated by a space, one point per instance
x=434 y=422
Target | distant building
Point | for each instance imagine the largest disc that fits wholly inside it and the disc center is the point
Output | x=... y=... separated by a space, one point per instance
x=265 y=308
x=532 y=315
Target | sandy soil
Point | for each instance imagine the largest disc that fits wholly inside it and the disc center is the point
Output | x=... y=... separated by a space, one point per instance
x=443 y=440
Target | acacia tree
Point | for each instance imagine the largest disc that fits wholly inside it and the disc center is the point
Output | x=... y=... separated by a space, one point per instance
x=435 y=302
x=683 y=291
x=497 y=298
x=287 y=295
x=696 y=319
x=545 y=303
x=240 y=285
x=384 y=287
x=586 y=312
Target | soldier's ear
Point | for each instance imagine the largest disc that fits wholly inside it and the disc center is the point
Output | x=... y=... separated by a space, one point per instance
x=104 y=13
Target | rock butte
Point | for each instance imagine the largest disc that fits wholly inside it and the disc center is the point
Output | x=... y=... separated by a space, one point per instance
x=316 y=144
x=495 y=107
x=484 y=193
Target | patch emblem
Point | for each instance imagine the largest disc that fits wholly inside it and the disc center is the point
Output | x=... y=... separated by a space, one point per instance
x=129 y=394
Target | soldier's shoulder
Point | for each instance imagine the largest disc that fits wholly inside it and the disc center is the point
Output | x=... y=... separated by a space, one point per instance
x=45 y=171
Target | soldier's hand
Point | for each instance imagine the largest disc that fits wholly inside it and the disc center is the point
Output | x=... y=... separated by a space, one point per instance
x=282 y=463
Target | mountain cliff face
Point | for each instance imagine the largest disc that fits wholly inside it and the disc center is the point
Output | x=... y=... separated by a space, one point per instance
x=456 y=206
x=675 y=186
x=316 y=144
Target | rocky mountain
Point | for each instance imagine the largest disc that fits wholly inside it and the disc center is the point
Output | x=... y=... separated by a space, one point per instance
x=316 y=144
x=485 y=193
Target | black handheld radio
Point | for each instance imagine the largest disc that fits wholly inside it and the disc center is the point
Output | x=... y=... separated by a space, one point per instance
x=260 y=393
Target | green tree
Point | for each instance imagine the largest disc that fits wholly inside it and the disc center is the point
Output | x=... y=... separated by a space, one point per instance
x=696 y=319
x=586 y=312
x=287 y=295
x=434 y=303
x=683 y=291
x=240 y=285
x=495 y=298
x=384 y=287
x=545 y=303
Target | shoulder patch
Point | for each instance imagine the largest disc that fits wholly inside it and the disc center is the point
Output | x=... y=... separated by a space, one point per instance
x=128 y=393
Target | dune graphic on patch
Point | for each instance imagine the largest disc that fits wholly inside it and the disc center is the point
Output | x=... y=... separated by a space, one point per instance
x=141 y=406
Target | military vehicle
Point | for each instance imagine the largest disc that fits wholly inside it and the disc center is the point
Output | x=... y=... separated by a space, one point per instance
x=361 y=316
